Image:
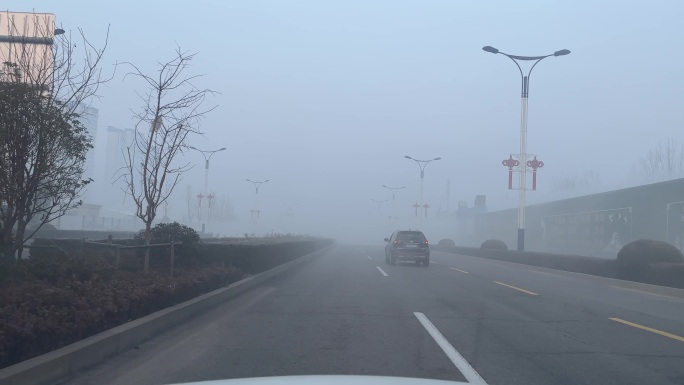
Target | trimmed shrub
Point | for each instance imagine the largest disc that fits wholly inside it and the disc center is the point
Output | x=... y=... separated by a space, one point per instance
x=634 y=258
x=186 y=254
x=165 y=232
x=446 y=243
x=37 y=317
x=493 y=244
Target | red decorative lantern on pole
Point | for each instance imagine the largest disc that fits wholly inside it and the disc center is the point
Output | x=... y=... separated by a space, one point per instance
x=534 y=164
x=426 y=206
x=510 y=163
x=416 y=206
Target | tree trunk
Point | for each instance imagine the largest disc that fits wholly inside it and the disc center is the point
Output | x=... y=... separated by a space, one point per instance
x=148 y=234
x=7 y=247
x=19 y=238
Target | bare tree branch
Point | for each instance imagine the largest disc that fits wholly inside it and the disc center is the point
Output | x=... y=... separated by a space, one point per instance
x=172 y=108
x=663 y=162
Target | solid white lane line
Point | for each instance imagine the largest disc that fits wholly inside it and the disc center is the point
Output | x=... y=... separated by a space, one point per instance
x=434 y=263
x=382 y=271
x=515 y=288
x=462 y=271
x=369 y=257
x=468 y=372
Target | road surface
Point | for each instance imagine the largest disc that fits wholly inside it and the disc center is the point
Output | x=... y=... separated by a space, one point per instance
x=463 y=318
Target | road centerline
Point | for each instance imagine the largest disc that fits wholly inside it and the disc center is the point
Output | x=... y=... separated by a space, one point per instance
x=382 y=271
x=515 y=288
x=369 y=257
x=462 y=271
x=456 y=358
x=648 y=329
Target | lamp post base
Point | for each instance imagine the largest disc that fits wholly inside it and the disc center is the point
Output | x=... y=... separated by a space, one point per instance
x=521 y=239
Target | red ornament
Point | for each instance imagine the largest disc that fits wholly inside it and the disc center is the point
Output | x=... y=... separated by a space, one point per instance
x=510 y=163
x=534 y=164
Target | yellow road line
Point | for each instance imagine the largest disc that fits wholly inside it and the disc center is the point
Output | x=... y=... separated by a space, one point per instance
x=516 y=288
x=647 y=293
x=462 y=271
x=656 y=331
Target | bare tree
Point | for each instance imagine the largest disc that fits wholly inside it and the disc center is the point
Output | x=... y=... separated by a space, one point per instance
x=171 y=111
x=44 y=81
x=588 y=180
x=663 y=162
x=223 y=209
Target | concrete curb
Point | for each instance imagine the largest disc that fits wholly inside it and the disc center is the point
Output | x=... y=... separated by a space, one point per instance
x=57 y=365
x=645 y=287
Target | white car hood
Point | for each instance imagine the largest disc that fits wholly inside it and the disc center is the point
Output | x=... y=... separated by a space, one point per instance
x=327 y=380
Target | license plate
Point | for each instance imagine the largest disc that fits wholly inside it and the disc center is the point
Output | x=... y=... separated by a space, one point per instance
x=411 y=245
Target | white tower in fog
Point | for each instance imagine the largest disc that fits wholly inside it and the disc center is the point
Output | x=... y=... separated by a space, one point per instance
x=117 y=141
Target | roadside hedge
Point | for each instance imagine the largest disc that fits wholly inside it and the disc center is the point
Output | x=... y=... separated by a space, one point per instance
x=493 y=244
x=663 y=274
x=60 y=296
x=38 y=316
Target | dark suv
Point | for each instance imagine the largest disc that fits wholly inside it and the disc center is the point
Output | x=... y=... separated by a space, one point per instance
x=407 y=245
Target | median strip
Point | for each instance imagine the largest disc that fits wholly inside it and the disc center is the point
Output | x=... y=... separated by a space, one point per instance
x=462 y=271
x=456 y=358
x=515 y=288
x=382 y=271
x=648 y=329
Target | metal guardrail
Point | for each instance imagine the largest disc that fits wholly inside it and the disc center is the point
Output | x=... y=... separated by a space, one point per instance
x=117 y=250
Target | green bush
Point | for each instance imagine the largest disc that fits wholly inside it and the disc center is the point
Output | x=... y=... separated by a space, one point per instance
x=165 y=232
x=57 y=268
x=634 y=258
x=446 y=243
x=186 y=253
x=493 y=244
x=646 y=251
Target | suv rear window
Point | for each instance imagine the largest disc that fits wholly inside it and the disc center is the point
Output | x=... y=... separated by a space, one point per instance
x=408 y=236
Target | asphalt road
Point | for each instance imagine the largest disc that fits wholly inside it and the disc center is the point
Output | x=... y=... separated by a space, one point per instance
x=463 y=318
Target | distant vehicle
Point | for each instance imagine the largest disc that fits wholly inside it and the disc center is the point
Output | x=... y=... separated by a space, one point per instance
x=407 y=245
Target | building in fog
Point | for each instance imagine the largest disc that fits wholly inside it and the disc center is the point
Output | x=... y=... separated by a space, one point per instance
x=117 y=141
x=26 y=40
x=89 y=117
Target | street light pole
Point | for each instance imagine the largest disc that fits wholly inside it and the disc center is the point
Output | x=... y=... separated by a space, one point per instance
x=522 y=157
x=421 y=165
x=379 y=202
x=393 y=190
x=207 y=156
x=394 y=198
x=257 y=184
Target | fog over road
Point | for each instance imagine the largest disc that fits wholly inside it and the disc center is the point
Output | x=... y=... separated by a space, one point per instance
x=463 y=318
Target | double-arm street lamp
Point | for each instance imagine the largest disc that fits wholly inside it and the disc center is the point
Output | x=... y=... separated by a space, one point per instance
x=421 y=164
x=393 y=190
x=522 y=163
x=207 y=156
x=379 y=202
x=257 y=184
x=394 y=199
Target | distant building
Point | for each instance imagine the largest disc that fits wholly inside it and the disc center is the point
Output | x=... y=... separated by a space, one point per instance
x=117 y=141
x=26 y=40
x=89 y=118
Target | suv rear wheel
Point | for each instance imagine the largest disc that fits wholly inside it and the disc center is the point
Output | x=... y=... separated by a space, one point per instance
x=426 y=262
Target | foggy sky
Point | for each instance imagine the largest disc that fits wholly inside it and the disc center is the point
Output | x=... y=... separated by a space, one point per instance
x=324 y=98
